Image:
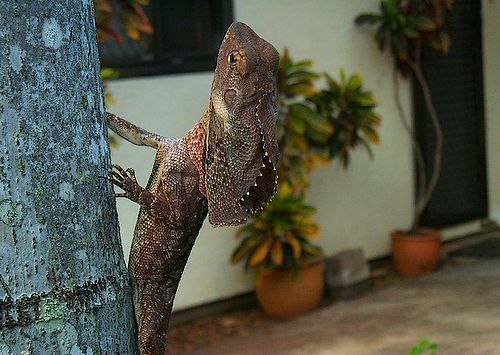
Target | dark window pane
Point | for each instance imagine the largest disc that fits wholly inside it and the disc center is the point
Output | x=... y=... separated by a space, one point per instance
x=187 y=34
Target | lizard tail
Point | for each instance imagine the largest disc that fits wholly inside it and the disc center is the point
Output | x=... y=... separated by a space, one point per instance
x=153 y=301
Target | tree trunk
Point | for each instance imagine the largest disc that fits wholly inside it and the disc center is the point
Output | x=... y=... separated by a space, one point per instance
x=63 y=281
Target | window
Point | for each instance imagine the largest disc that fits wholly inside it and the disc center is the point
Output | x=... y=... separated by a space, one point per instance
x=187 y=35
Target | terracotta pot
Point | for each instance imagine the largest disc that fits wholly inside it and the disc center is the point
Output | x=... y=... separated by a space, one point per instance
x=281 y=295
x=415 y=254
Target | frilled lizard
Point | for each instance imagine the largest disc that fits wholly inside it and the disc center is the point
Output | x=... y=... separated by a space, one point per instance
x=224 y=166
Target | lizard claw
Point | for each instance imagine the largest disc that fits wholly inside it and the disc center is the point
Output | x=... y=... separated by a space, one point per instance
x=119 y=168
x=131 y=173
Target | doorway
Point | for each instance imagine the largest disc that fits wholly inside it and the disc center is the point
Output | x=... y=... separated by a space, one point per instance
x=456 y=84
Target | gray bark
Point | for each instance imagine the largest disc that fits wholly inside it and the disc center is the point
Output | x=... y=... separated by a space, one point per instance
x=63 y=281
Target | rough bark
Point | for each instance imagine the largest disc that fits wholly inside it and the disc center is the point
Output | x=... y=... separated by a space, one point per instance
x=63 y=281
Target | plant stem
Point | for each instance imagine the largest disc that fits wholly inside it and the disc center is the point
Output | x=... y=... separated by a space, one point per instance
x=438 y=154
x=417 y=150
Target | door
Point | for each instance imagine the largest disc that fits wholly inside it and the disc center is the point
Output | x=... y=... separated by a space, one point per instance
x=456 y=84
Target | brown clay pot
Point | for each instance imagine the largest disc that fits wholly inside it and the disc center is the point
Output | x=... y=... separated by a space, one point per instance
x=415 y=254
x=281 y=295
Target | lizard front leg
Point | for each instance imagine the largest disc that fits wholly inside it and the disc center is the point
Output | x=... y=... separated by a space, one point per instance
x=127 y=181
x=131 y=132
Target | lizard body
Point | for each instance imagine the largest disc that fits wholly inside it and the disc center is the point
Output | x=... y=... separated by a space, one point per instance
x=225 y=166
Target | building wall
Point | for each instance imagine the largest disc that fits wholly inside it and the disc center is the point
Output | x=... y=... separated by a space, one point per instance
x=355 y=207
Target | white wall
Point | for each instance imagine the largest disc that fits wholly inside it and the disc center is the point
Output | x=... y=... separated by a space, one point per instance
x=356 y=207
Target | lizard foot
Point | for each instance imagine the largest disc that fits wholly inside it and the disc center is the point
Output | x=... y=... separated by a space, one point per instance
x=125 y=180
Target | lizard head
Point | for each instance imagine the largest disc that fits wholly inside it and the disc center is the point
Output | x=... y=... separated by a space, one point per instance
x=241 y=152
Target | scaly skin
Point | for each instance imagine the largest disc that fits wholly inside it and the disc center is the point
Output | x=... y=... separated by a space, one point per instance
x=224 y=166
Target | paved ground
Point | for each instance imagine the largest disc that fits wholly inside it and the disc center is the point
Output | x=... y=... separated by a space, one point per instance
x=458 y=307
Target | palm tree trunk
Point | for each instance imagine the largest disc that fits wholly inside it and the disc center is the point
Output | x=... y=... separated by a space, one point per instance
x=63 y=282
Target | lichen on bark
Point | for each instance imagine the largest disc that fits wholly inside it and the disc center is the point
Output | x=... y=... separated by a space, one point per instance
x=63 y=281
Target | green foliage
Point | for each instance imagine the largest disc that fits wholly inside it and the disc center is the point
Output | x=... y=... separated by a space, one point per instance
x=406 y=25
x=314 y=126
x=424 y=347
x=109 y=73
x=280 y=234
x=130 y=15
x=300 y=129
x=349 y=108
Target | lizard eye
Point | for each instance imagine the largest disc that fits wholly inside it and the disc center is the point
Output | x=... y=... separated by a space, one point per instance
x=232 y=58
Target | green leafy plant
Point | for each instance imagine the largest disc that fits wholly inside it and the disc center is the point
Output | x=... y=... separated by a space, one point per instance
x=318 y=125
x=424 y=347
x=405 y=27
x=280 y=234
x=408 y=25
x=350 y=110
x=128 y=13
x=314 y=127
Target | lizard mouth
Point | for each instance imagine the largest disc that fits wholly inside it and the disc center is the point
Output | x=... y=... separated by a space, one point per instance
x=257 y=95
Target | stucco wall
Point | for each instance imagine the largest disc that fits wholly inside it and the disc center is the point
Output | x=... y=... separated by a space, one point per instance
x=356 y=207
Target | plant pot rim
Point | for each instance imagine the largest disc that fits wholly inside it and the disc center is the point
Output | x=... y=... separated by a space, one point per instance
x=309 y=263
x=424 y=235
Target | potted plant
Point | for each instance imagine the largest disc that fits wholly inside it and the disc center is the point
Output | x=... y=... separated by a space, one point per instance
x=314 y=127
x=405 y=27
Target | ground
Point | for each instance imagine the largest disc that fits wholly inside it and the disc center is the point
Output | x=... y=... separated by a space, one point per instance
x=210 y=330
x=458 y=307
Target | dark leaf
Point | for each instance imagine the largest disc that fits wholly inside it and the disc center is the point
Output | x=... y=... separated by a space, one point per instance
x=381 y=36
x=369 y=18
x=410 y=32
x=422 y=23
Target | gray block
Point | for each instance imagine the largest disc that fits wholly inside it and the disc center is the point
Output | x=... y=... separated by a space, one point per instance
x=346 y=268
